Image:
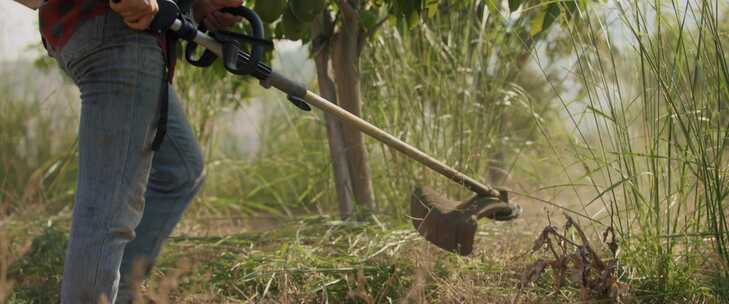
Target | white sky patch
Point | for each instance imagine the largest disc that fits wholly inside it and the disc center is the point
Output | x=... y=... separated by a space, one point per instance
x=18 y=32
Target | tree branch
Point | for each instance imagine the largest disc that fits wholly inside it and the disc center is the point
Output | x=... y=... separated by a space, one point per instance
x=324 y=31
x=346 y=8
x=362 y=37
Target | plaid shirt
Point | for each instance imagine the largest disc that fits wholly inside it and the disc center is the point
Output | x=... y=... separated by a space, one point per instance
x=59 y=18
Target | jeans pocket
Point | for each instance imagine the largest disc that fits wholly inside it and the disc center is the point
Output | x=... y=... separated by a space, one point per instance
x=88 y=36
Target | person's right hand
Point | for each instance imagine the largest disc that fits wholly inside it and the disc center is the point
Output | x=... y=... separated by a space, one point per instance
x=207 y=12
x=137 y=14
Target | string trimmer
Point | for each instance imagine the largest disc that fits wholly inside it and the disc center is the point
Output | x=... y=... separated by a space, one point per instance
x=449 y=224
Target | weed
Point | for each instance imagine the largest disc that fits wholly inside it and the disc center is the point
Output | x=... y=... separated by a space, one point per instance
x=38 y=272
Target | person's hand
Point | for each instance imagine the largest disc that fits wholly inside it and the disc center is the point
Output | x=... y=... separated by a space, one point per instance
x=137 y=14
x=31 y=4
x=208 y=12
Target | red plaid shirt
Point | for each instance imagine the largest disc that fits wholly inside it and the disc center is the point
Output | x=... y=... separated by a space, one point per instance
x=60 y=18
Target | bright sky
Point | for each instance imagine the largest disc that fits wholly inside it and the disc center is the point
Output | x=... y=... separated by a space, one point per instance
x=18 y=29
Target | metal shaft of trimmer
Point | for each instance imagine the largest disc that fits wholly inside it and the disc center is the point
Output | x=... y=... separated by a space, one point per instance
x=295 y=89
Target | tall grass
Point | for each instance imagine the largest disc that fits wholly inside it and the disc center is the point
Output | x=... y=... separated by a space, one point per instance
x=460 y=88
x=651 y=136
x=38 y=119
x=37 y=132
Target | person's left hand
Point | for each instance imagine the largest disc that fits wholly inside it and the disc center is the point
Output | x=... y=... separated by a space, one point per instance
x=208 y=12
x=137 y=14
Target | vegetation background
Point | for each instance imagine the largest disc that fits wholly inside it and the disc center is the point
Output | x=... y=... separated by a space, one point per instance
x=611 y=112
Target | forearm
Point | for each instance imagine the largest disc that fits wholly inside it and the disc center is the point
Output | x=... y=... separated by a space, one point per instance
x=32 y=4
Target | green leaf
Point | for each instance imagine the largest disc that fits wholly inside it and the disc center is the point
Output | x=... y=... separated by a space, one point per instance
x=368 y=19
x=544 y=19
x=413 y=19
x=306 y=10
x=405 y=8
x=551 y=14
x=270 y=10
x=514 y=4
x=492 y=6
x=537 y=23
x=432 y=8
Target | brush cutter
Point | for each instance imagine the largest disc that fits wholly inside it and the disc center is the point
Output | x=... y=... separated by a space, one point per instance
x=449 y=224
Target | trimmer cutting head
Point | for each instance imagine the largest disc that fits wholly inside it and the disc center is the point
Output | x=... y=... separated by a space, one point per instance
x=452 y=225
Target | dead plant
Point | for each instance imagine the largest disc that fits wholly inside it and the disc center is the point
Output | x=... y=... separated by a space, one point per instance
x=574 y=260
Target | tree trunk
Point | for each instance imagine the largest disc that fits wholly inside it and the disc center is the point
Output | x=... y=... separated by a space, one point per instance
x=322 y=31
x=347 y=46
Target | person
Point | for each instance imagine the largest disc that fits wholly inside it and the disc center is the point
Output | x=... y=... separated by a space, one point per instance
x=129 y=196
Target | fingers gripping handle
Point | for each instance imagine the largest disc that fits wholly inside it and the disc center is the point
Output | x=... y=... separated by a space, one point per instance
x=168 y=12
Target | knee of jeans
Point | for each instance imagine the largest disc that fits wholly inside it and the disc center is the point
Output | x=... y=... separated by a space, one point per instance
x=124 y=222
x=182 y=178
x=117 y=215
x=196 y=174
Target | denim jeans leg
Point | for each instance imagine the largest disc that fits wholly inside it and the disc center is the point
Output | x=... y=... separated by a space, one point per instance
x=176 y=176
x=118 y=72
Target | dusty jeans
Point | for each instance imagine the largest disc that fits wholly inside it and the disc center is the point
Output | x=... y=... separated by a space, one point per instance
x=129 y=198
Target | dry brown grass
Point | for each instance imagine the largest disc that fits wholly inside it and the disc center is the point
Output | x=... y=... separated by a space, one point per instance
x=6 y=284
x=491 y=275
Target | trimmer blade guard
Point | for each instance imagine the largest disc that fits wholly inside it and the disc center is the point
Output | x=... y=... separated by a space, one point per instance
x=452 y=225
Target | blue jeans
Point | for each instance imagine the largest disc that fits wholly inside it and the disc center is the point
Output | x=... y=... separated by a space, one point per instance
x=129 y=198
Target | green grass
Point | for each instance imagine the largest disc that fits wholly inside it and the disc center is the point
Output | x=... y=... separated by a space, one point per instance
x=317 y=259
x=38 y=272
x=311 y=265
x=36 y=144
x=458 y=87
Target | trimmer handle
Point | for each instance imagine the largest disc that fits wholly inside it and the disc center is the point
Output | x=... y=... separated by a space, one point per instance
x=233 y=43
x=168 y=12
